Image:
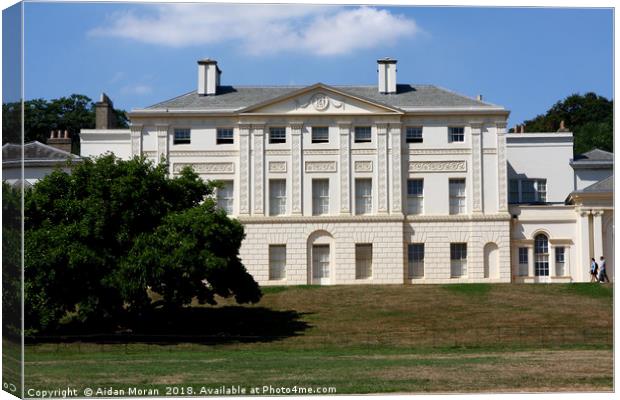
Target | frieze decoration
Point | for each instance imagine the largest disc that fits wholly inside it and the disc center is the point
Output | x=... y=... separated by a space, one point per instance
x=363 y=166
x=278 y=152
x=320 y=166
x=438 y=151
x=277 y=166
x=208 y=153
x=489 y=151
x=319 y=101
x=363 y=152
x=324 y=152
x=438 y=166
x=206 y=168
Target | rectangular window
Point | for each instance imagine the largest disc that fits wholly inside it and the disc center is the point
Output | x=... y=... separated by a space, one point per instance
x=224 y=136
x=414 y=134
x=277 y=196
x=182 y=136
x=528 y=190
x=320 y=196
x=277 y=135
x=560 y=261
x=224 y=195
x=320 y=261
x=363 y=261
x=457 y=196
x=513 y=191
x=277 y=262
x=415 y=196
x=362 y=134
x=415 y=258
x=363 y=196
x=523 y=261
x=458 y=259
x=456 y=134
x=320 y=134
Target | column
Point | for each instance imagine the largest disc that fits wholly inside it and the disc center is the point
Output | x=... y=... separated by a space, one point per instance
x=259 y=170
x=502 y=179
x=296 y=167
x=397 y=178
x=597 y=233
x=162 y=142
x=136 y=140
x=476 y=153
x=530 y=261
x=345 y=168
x=382 y=170
x=244 y=169
x=583 y=229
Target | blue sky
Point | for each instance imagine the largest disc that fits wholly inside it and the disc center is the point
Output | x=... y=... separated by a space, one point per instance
x=139 y=54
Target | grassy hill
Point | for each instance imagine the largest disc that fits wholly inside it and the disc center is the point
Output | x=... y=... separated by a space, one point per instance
x=357 y=339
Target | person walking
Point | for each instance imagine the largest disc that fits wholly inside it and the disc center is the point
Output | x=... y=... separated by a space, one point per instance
x=593 y=271
x=603 y=271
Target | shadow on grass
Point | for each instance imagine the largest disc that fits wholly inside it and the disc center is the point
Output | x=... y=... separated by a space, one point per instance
x=206 y=325
x=595 y=289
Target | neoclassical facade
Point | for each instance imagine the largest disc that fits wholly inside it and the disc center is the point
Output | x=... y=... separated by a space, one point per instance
x=390 y=183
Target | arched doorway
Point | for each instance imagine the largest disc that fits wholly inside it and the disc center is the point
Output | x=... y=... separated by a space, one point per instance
x=321 y=251
x=491 y=261
x=541 y=255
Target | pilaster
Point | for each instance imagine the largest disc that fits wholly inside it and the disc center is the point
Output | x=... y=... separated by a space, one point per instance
x=345 y=168
x=397 y=178
x=552 y=271
x=136 y=140
x=530 y=261
x=476 y=153
x=259 y=170
x=597 y=233
x=583 y=229
x=162 y=142
x=502 y=176
x=296 y=167
x=244 y=169
x=382 y=170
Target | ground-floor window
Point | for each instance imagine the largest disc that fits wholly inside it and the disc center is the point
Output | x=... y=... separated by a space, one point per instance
x=363 y=261
x=458 y=259
x=320 y=261
x=560 y=261
x=523 y=261
x=277 y=261
x=415 y=257
x=541 y=255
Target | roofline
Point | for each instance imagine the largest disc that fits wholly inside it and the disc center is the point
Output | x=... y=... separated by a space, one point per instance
x=591 y=164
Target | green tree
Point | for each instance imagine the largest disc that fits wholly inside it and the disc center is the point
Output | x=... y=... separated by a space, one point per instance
x=42 y=116
x=82 y=227
x=589 y=117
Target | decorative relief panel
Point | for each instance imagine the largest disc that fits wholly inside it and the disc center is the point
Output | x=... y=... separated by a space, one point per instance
x=205 y=153
x=206 y=168
x=136 y=140
x=363 y=166
x=438 y=166
x=363 y=152
x=277 y=166
x=382 y=170
x=396 y=168
x=345 y=168
x=325 y=152
x=438 y=151
x=244 y=173
x=318 y=101
x=277 y=152
x=489 y=151
x=320 y=166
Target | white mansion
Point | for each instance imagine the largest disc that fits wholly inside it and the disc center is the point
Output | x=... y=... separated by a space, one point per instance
x=393 y=183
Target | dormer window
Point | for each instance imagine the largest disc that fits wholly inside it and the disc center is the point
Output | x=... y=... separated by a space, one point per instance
x=224 y=136
x=182 y=136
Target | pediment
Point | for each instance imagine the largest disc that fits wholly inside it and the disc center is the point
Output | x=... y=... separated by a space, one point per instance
x=319 y=99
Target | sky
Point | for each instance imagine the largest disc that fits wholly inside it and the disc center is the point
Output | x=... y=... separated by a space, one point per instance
x=524 y=59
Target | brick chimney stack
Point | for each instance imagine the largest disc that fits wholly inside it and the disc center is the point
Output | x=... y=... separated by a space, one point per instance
x=60 y=140
x=104 y=113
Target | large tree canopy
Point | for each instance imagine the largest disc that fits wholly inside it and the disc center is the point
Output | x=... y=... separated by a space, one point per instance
x=97 y=239
x=589 y=117
x=41 y=116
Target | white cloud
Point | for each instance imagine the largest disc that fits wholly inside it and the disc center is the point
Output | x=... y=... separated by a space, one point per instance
x=139 y=89
x=319 y=30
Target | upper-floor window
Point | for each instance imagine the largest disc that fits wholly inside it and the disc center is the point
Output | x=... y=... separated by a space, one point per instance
x=320 y=196
x=320 y=134
x=527 y=191
x=362 y=134
x=457 y=196
x=414 y=134
x=225 y=198
x=182 y=136
x=363 y=196
x=277 y=135
x=224 y=136
x=415 y=196
x=456 y=134
x=277 y=196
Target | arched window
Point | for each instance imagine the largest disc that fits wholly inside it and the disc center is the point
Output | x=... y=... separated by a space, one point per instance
x=541 y=255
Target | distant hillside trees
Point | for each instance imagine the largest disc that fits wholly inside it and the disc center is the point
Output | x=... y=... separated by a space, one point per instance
x=589 y=117
x=101 y=241
x=42 y=116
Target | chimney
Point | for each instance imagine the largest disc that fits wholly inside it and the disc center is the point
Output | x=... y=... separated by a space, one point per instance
x=562 y=127
x=60 y=140
x=386 y=67
x=208 y=77
x=479 y=97
x=104 y=113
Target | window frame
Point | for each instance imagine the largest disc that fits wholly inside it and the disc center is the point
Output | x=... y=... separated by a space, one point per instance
x=319 y=140
x=363 y=271
x=219 y=140
x=417 y=197
x=457 y=200
x=358 y=139
x=456 y=132
x=366 y=196
x=320 y=202
x=179 y=141
x=278 y=199
x=516 y=189
x=281 y=130
x=523 y=254
x=458 y=259
x=413 y=262
x=416 y=138
x=541 y=255
x=273 y=260
x=229 y=202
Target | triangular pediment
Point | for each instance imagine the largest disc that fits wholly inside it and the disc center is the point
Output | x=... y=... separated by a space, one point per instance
x=320 y=99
